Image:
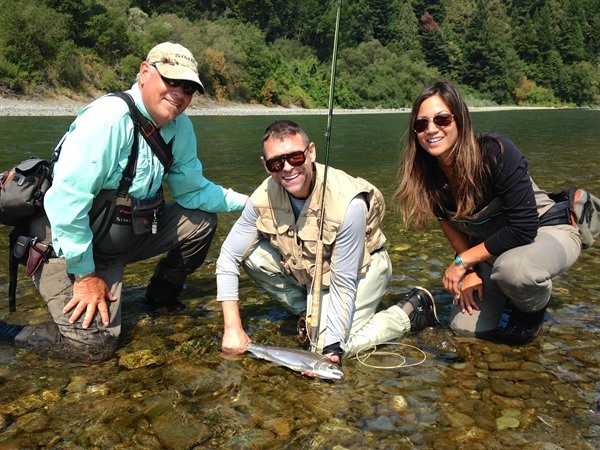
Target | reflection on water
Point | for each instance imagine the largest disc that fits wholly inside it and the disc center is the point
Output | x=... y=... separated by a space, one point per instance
x=169 y=386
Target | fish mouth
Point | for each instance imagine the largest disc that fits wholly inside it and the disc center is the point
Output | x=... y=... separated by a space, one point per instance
x=332 y=376
x=331 y=373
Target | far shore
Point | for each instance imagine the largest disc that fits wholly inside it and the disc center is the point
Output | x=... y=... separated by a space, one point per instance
x=200 y=107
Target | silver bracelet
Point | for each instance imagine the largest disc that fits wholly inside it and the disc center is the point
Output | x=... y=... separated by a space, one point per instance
x=460 y=263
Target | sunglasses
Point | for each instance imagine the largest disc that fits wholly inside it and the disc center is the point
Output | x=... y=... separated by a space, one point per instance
x=440 y=120
x=188 y=87
x=295 y=159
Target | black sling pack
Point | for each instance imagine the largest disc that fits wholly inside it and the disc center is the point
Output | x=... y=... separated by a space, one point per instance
x=31 y=252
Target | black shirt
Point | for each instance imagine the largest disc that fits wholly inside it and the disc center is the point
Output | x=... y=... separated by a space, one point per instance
x=507 y=179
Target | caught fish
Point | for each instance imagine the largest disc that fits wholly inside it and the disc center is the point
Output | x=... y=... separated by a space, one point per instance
x=298 y=360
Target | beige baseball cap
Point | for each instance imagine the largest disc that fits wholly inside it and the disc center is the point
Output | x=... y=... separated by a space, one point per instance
x=176 y=62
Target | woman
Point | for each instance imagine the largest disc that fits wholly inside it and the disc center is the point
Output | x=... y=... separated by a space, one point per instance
x=490 y=210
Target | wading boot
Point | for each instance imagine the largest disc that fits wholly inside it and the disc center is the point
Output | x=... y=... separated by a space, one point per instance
x=522 y=328
x=423 y=312
x=162 y=294
x=8 y=332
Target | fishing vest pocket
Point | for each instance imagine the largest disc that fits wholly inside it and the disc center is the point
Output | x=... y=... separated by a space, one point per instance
x=147 y=214
x=111 y=223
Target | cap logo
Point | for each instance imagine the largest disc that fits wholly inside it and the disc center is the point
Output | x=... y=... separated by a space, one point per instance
x=173 y=59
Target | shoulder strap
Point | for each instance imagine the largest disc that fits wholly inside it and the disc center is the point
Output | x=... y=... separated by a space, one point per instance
x=13 y=271
x=129 y=172
x=13 y=265
x=149 y=131
x=57 y=149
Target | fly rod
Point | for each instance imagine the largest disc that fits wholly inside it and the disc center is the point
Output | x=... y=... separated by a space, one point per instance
x=318 y=277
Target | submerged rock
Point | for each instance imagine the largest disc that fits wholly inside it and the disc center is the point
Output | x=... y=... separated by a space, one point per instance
x=504 y=422
x=140 y=358
x=587 y=355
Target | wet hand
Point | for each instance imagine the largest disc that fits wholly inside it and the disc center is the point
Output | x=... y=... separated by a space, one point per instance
x=89 y=294
x=333 y=358
x=471 y=293
x=235 y=341
x=452 y=279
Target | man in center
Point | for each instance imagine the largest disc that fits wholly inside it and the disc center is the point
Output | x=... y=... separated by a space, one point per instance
x=275 y=241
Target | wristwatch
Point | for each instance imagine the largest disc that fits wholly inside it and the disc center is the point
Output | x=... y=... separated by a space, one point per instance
x=460 y=263
x=85 y=275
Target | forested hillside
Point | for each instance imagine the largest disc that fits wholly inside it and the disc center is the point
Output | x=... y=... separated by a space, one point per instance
x=526 y=52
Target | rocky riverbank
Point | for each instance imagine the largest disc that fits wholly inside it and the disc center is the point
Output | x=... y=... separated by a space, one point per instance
x=201 y=106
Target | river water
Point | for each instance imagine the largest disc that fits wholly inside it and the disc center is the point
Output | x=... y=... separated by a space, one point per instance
x=169 y=386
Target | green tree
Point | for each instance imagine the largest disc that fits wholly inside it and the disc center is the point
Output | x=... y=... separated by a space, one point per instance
x=434 y=42
x=459 y=14
x=109 y=33
x=593 y=35
x=493 y=65
x=373 y=77
x=70 y=66
x=30 y=37
x=435 y=8
x=407 y=28
x=384 y=20
x=314 y=26
x=75 y=15
x=189 y=9
x=258 y=65
x=300 y=79
x=580 y=83
x=279 y=51
x=548 y=61
x=571 y=40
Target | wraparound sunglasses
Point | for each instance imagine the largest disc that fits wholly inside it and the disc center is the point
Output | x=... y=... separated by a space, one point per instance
x=189 y=87
x=295 y=159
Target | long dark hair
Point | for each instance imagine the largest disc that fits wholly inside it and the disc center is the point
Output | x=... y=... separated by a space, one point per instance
x=420 y=175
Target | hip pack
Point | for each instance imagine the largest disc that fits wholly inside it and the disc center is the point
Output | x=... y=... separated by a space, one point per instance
x=579 y=208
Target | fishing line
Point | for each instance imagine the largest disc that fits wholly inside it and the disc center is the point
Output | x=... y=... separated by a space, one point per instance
x=374 y=352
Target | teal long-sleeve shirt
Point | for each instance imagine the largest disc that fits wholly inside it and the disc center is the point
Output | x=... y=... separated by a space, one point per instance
x=93 y=157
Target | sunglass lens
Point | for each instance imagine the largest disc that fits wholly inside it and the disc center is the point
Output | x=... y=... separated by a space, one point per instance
x=296 y=159
x=274 y=165
x=442 y=120
x=421 y=125
x=189 y=88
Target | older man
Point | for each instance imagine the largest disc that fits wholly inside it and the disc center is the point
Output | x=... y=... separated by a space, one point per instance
x=275 y=240
x=82 y=283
